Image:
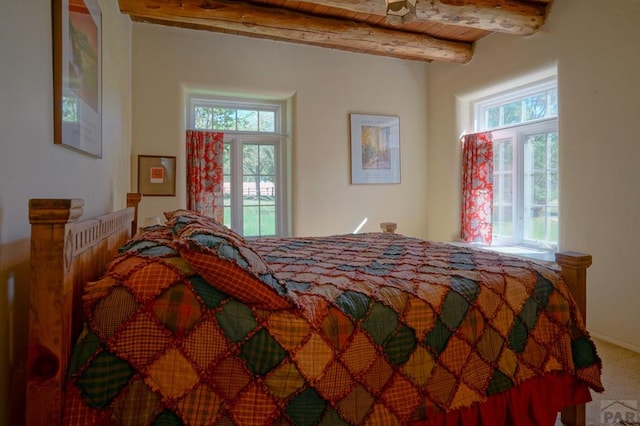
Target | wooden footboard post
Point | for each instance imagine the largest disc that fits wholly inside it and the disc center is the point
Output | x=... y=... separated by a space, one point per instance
x=574 y=271
x=49 y=313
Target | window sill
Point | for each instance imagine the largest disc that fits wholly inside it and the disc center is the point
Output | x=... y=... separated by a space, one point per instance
x=528 y=252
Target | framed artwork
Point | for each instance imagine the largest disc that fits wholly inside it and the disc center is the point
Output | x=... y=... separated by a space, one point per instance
x=375 y=149
x=77 y=75
x=156 y=175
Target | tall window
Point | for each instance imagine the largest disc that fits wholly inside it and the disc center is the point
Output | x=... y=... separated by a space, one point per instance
x=254 y=161
x=524 y=123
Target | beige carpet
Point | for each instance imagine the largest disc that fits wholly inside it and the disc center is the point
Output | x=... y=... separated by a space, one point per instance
x=619 y=404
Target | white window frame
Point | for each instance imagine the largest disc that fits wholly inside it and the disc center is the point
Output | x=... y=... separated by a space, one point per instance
x=518 y=133
x=480 y=107
x=237 y=139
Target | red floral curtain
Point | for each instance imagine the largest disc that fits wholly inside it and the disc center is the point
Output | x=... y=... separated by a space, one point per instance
x=477 y=187
x=204 y=173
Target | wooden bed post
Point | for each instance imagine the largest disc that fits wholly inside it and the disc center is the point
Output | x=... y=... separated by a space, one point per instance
x=49 y=313
x=574 y=271
x=389 y=227
x=133 y=199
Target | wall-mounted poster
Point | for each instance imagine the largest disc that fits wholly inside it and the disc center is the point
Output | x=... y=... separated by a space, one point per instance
x=77 y=75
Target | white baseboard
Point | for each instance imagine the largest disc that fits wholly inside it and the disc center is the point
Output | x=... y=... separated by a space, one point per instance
x=615 y=341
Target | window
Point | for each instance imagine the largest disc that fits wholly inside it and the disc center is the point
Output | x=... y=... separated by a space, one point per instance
x=254 y=161
x=524 y=123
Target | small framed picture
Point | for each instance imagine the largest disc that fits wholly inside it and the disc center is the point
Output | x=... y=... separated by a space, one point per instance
x=156 y=175
x=375 y=149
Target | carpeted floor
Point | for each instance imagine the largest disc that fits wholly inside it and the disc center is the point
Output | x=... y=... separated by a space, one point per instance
x=619 y=404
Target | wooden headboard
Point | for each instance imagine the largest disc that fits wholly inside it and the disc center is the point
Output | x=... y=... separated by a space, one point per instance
x=65 y=254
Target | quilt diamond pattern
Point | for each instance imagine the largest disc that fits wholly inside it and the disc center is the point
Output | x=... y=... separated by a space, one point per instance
x=376 y=329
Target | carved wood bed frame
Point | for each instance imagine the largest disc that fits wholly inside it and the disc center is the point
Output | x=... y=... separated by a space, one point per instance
x=66 y=253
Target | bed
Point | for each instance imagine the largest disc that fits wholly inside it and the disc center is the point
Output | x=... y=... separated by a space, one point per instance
x=189 y=323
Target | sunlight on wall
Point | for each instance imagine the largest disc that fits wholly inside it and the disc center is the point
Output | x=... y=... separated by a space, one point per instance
x=359 y=227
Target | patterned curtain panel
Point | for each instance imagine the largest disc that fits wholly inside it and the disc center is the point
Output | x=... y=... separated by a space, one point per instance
x=477 y=187
x=204 y=173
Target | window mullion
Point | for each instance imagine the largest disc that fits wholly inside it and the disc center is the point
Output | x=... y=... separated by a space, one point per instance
x=237 y=187
x=280 y=185
x=520 y=185
x=548 y=188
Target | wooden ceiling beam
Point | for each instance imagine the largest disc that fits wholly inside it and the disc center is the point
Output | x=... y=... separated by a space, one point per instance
x=504 y=16
x=239 y=17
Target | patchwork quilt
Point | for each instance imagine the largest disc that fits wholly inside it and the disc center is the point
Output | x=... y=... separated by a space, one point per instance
x=192 y=324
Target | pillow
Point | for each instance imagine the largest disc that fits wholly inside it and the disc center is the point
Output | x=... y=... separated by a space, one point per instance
x=177 y=219
x=155 y=240
x=227 y=261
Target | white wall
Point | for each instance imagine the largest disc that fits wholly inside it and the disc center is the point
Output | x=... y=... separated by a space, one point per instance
x=595 y=47
x=324 y=85
x=31 y=166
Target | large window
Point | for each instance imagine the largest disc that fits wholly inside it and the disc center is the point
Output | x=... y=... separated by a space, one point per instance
x=524 y=123
x=254 y=161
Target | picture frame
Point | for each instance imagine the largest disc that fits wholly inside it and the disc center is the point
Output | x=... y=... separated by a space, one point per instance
x=77 y=75
x=156 y=175
x=375 y=149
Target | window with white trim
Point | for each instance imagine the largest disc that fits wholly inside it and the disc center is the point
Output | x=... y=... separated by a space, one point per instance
x=255 y=159
x=524 y=123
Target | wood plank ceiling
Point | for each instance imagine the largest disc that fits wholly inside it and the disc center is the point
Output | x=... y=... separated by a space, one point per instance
x=440 y=30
